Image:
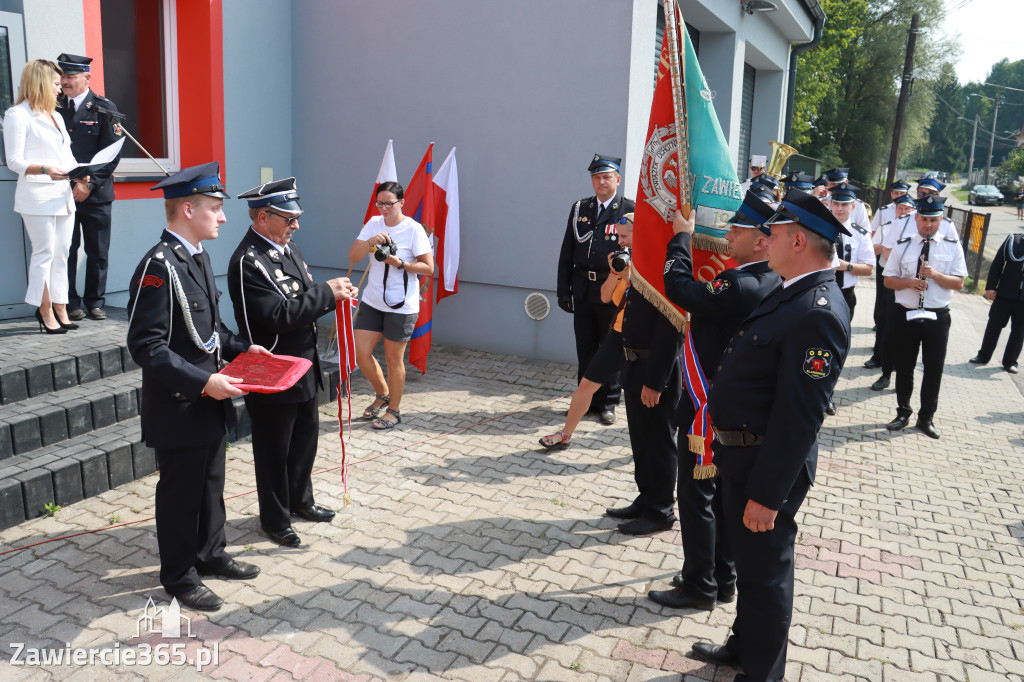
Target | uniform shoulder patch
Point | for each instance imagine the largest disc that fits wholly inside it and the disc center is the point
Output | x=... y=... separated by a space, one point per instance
x=817 y=363
x=668 y=265
x=150 y=281
x=717 y=286
x=859 y=228
x=822 y=301
x=951 y=239
x=904 y=240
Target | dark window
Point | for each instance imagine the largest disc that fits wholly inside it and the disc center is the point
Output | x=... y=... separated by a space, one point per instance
x=6 y=80
x=746 y=120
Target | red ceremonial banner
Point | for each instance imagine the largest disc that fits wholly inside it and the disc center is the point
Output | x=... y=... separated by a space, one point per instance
x=266 y=373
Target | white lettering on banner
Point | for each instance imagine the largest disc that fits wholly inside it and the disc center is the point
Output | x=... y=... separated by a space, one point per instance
x=722 y=188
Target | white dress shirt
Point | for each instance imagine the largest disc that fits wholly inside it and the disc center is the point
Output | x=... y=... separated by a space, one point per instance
x=945 y=255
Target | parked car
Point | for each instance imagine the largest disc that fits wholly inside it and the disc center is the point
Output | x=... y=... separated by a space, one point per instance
x=985 y=195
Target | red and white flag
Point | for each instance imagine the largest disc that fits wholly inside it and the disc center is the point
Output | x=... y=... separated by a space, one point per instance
x=387 y=173
x=446 y=205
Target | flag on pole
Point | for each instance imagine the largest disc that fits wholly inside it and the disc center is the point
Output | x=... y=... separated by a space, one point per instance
x=387 y=173
x=419 y=205
x=446 y=203
x=704 y=176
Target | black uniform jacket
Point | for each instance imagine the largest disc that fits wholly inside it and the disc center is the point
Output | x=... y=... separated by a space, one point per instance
x=775 y=380
x=716 y=308
x=277 y=305
x=91 y=131
x=585 y=247
x=1005 y=276
x=646 y=329
x=174 y=369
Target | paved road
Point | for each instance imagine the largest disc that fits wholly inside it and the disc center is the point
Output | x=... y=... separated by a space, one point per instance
x=1003 y=222
x=466 y=554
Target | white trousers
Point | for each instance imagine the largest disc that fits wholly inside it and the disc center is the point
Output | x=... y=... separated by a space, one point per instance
x=51 y=241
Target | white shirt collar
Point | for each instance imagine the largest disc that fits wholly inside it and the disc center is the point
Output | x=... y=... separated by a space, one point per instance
x=81 y=98
x=277 y=246
x=191 y=249
x=747 y=265
x=789 y=282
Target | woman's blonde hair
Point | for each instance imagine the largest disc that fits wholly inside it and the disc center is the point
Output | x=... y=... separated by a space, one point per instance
x=37 y=85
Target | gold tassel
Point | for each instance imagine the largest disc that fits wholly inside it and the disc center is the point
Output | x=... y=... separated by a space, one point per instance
x=347 y=500
x=706 y=242
x=704 y=471
x=657 y=299
x=696 y=443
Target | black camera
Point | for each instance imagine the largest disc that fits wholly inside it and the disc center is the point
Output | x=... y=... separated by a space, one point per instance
x=620 y=260
x=382 y=252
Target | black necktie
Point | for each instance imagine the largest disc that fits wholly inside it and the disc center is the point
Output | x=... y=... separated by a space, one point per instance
x=924 y=256
x=198 y=258
x=841 y=274
x=71 y=106
x=601 y=211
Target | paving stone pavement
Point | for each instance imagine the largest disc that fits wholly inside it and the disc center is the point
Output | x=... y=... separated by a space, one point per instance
x=467 y=554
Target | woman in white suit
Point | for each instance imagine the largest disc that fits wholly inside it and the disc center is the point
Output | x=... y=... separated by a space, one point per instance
x=39 y=151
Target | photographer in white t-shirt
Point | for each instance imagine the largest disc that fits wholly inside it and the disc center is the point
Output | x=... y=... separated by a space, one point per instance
x=400 y=252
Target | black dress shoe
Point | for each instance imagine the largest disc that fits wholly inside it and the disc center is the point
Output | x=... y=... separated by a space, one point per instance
x=899 y=423
x=677 y=580
x=285 y=538
x=200 y=598
x=630 y=512
x=644 y=526
x=1012 y=369
x=872 y=363
x=608 y=417
x=831 y=407
x=882 y=383
x=315 y=512
x=727 y=595
x=76 y=314
x=677 y=599
x=927 y=428
x=715 y=653
x=97 y=314
x=233 y=570
x=978 y=360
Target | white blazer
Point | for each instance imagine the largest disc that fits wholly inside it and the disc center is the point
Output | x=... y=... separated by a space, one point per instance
x=31 y=138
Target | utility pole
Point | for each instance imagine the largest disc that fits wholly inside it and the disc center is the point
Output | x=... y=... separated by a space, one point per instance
x=991 y=141
x=974 y=139
x=901 y=107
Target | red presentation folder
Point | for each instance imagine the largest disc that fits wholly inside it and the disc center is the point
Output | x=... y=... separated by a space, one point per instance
x=267 y=373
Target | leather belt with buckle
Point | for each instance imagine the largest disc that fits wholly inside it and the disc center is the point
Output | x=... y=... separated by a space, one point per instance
x=595 y=276
x=738 y=439
x=634 y=354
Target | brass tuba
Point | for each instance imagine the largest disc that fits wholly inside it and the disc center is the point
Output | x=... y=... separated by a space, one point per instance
x=780 y=154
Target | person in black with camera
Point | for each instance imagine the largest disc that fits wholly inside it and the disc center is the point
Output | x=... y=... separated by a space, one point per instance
x=91 y=128
x=590 y=236
x=390 y=302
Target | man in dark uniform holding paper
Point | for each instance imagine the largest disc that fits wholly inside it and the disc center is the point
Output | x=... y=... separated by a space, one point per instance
x=91 y=128
x=176 y=336
x=767 y=403
x=590 y=237
x=716 y=310
x=276 y=305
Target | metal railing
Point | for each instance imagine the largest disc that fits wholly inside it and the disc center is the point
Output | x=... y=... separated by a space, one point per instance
x=973 y=230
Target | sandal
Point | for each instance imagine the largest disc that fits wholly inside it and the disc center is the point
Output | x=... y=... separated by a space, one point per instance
x=371 y=412
x=556 y=441
x=382 y=424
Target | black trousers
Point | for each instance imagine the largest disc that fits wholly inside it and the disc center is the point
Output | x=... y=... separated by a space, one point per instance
x=931 y=337
x=850 y=296
x=885 y=306
x=591 y=322
x=1004 y=310
x=708 y=566
x=764 y=585
x=92 y=226
x=190 y=514
x=655 y=461
x=284 y=441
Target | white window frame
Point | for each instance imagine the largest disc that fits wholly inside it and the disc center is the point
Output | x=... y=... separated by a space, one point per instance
x=144 y=166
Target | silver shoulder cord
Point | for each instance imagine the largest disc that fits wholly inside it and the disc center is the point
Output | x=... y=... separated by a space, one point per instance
x=1010 y=254
x=575 y=224
x=213 y=344
x=241 y=282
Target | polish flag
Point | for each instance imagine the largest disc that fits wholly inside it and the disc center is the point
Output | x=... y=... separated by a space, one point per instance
x=387 y=173
x=446 y=204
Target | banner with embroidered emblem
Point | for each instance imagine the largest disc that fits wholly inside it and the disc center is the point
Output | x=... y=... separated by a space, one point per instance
x=266 y=373
x=686 y=163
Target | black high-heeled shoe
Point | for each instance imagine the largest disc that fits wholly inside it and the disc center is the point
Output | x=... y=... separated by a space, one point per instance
x=68 y=326
x=44 y=328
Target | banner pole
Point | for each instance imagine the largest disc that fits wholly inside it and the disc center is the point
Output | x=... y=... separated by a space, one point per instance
x=679 y=107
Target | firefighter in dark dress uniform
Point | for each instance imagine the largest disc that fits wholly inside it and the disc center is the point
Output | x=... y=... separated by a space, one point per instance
x=716 y=309
x=91 y=128
x=276 y=305
x=767 y=403
x=1005 y=288
x=176 y=336
x=590 y=237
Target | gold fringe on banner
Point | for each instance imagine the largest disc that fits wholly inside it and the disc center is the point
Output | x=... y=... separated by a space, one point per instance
x=696 y=443
x=706 y=242
x=704 y=471
x=658 y=300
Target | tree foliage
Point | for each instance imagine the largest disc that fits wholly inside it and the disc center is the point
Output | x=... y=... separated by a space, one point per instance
x=848 y=87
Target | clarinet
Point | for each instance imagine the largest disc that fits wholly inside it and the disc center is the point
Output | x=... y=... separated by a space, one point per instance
x=920 y=302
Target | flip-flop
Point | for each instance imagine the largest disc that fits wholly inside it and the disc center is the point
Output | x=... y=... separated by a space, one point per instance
x=382 y=424
x=371 y=412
